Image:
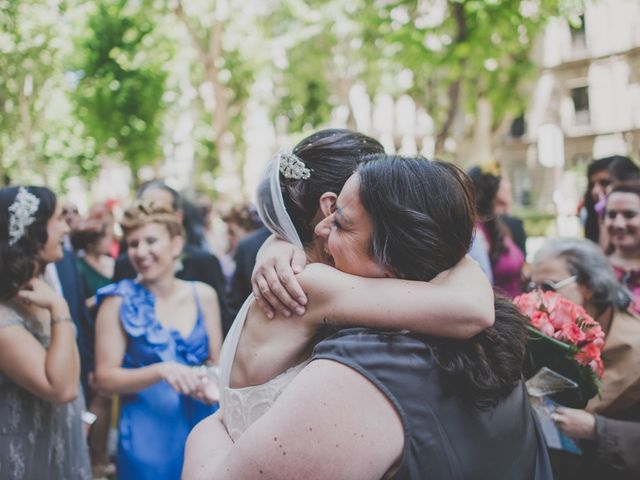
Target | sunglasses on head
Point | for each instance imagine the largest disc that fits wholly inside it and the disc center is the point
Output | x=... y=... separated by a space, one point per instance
x=551 y=286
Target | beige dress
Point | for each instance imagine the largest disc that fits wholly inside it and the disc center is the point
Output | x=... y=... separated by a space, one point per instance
x=620 y=388
x=38 y=439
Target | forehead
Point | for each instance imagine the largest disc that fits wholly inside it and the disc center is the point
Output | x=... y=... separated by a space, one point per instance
x=550 y=269
x=350 y=193
x=152 y=229
x=600 y=176
x=622 y=200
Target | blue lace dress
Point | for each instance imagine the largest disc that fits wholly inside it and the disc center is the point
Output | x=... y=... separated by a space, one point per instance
x=155 y=422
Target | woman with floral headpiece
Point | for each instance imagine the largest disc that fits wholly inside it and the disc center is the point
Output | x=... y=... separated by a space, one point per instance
x=155 y=336
x=41 y=432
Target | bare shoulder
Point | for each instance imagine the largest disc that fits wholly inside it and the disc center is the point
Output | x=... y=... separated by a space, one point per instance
x=206 y=294
x=327 y=405
x=110 y=309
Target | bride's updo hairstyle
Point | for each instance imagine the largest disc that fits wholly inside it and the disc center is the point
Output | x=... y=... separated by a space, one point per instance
x=143 y=212
x=423 y=216
x=332 y=156
x=19 y=262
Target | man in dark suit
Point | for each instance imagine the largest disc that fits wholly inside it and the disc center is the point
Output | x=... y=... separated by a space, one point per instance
x=63 y=276
x=196 y=265
x=245 y=259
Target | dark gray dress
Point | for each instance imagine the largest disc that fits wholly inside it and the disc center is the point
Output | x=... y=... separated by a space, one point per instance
x=445 y=437
x=38 y=440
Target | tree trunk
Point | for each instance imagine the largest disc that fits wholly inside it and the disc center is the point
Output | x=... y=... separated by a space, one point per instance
x=224 y=142
x=454 y=90
x=481 y=147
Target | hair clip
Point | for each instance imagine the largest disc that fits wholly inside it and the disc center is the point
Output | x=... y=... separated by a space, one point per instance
x=21 y=214
x=292 y=167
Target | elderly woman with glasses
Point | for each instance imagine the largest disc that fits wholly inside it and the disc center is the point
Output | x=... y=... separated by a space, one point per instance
x=578 y=270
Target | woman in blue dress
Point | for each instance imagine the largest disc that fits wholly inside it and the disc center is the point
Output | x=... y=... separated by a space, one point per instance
x=150 y=334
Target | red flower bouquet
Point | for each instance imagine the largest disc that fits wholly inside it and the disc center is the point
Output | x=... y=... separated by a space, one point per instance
x=564 y=338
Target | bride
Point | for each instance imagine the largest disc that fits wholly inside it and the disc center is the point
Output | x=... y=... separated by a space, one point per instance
x=261 y=355
x=380 y=404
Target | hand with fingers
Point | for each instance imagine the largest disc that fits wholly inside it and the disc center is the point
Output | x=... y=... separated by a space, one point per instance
x=274 y=283
x=208 y=391
x=37 y=292
x=575 y=423
x=182 y=378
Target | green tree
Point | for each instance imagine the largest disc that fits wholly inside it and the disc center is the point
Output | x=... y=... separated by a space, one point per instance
x=468 y=57
x=30 y=71
x=120 y=82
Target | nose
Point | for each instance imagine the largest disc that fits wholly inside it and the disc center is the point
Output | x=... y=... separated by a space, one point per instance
x=618 y=221
x=141 y=249
x=323 y=228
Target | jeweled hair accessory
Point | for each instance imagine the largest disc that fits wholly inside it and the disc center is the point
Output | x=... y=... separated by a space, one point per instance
x=21 y=214
x=291 y=166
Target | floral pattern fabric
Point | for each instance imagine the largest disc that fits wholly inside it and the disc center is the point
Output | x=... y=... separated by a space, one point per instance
x=38 y=439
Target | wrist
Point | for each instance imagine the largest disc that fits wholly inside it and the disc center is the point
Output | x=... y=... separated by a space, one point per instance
x=60 y=319
x=59 y=309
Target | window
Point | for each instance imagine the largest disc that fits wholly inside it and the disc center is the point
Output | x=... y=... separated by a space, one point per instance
x=580 y=97
x=518 y=127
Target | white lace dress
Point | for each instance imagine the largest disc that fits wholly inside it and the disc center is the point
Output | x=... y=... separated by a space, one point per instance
x=38 y=439
x=242 y=406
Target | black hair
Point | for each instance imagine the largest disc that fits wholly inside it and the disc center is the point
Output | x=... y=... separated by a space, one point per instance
x=332 y=155
x=20 y=262
x=486 y=188
x=423 y=216
x=193 y=222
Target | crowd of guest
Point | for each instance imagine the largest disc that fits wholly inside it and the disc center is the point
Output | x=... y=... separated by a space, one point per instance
x=117 y=318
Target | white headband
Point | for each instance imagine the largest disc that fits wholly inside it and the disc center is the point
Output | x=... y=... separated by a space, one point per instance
x=21 y=214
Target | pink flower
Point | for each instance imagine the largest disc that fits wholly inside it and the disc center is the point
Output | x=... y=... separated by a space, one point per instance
x=558 y=317
x=570 y=332
x=540 y=320
x=527 y=303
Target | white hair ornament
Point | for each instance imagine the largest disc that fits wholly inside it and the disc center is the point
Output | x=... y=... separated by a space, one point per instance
x=291 y=166
x=21 y=214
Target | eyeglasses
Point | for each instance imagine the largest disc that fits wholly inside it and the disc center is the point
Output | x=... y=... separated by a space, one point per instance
x=551 y=286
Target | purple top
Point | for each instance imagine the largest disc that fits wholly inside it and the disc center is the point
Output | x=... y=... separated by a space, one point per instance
x=507 y=269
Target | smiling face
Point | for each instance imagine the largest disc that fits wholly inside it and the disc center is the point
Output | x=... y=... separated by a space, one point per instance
x=555 y=270
x=622 y=220
x=347 y=234
x=152 y=250
x=57 y=228
x=600 y=182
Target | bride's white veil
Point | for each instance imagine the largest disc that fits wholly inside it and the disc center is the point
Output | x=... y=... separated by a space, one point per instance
x=270 y=203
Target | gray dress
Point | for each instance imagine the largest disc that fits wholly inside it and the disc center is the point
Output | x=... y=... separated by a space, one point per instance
x=38 y=439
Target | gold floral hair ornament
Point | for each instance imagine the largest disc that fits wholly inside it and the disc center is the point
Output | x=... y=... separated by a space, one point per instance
x=490 y=167
x=22 y=214
x=291 y=166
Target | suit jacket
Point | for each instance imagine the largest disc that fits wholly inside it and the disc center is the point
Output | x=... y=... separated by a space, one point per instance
x=245 y=259
x=73 y=292
x=197 y=265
